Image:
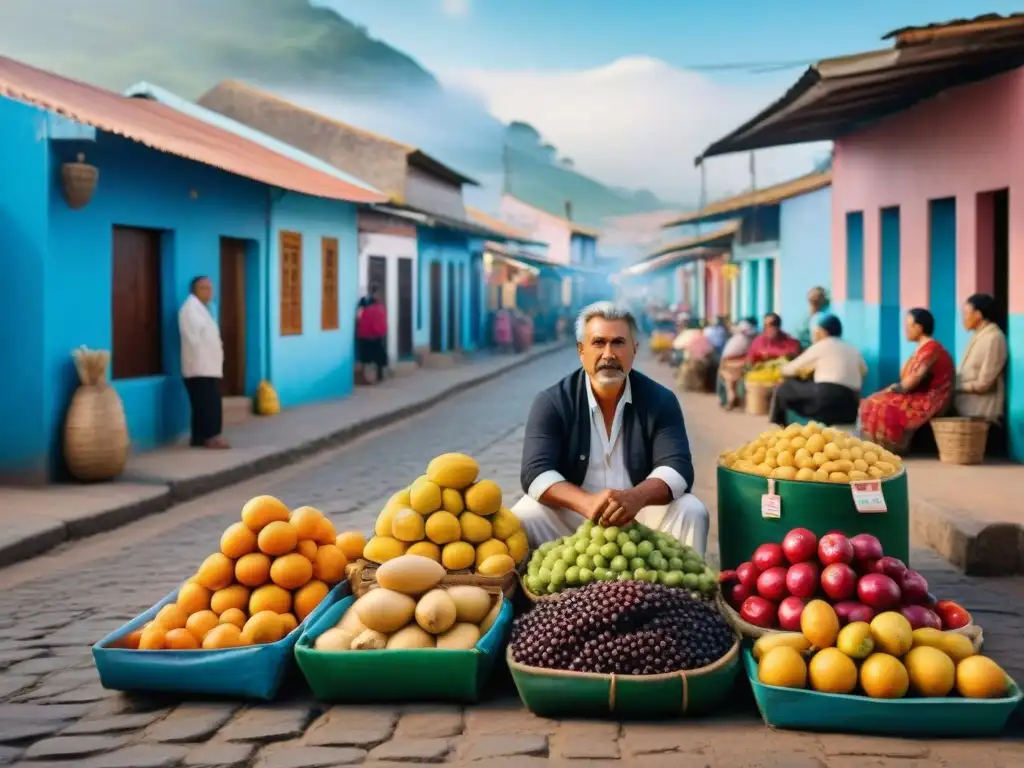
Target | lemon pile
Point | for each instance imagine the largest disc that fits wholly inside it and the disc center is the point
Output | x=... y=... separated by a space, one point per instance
x=452 y=517
x=813 y=453
x=766 y=373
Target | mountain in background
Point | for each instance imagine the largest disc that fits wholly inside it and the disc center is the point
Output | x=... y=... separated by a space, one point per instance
x=315 y=57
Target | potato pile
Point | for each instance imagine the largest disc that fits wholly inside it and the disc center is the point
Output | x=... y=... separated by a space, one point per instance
x=451 y=517
x=409 y=610
x=273 y=568
x=813 y=453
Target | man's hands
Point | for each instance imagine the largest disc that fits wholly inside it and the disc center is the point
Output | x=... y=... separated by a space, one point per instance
x=612 y=507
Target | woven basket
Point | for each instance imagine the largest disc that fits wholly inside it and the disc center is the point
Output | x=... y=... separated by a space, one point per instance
x=362 y=575
x=961 y=440
x=95 y=429
x=78 y=182
x=971 y=631
x=758 y=398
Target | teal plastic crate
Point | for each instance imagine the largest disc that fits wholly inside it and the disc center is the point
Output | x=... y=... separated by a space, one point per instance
x=427 y=674
x=804 y=710
x=251 y=672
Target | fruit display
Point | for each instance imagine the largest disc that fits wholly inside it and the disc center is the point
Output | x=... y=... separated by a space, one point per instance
x=622 y=628
x=634 y=552
x=813 y=453
x=853 y=575
x=450 y=516
x=884 y=658
x=765 y=374
x=272 y=569
x=661 y=341
x=408 y=609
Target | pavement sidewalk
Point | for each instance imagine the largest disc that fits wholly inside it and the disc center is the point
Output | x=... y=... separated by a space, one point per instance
x=35 y=520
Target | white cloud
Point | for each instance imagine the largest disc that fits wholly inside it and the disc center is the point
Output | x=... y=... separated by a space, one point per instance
x=457 y=8
x=638 y=122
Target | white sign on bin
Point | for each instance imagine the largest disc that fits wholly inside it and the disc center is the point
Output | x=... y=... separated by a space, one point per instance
x=868 y=497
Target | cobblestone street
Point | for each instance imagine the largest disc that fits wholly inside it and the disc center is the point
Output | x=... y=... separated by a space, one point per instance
x=54 y=712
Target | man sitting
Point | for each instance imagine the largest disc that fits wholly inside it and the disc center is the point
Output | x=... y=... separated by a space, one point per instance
x=608 y=444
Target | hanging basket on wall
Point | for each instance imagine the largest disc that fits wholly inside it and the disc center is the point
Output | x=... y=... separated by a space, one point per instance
x=95 y=430
x=78 y=182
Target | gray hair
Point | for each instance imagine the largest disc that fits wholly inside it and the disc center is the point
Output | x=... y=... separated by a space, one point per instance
x=606 y=310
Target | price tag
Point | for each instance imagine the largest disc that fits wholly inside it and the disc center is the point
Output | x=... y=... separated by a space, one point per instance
x=868 y=497
x=771 y=503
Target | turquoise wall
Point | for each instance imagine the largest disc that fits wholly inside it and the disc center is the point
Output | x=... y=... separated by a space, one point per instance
x=318 y=364
x=859 y=328
x=446 y=247
x=766 y=285
x=890 y=314
x=1015 y=387
x=25 y=171
x=942 y=269
x=805 y=252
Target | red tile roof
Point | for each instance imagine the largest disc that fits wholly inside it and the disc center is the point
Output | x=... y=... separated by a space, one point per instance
x=167 y=130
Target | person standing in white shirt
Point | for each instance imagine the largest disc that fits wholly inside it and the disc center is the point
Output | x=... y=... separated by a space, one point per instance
x=832 y=396
x=202 y=364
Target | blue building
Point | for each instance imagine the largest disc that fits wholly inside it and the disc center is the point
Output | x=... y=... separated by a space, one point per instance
x=174 y=198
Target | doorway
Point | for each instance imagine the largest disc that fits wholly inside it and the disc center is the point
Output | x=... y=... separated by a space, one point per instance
x=405 y=293
x=436 y=307
x=232 y=315
x=1000 y=286
x=942 y=269
x=475 y=286
x=459 y=302
x=137 y=348
x=993 y=277
x=890 y=320
x=452 y=319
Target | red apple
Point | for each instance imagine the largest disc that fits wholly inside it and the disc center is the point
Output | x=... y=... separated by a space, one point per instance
x=864 y=567
x=772 y=584
x=953 y=615
x=892 y=567
x=836 y=532
x=790 y=611
x=802 y=580
x=838 y=581
x=851 y=611
x=738 y=594
x=768 y=556
x=919 y=616
x=878 y=591
x=913 y=588
x=835 y=548
x=800 y=545
x=758 y=611
x=747 y=574
x=866 y=547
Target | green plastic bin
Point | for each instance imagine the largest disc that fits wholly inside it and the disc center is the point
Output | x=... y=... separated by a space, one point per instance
x=555 y=693
x=819 y=507
x=427 y=674
x=803 y=710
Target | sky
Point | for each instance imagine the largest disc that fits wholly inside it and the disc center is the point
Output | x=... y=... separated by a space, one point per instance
x=633 y=90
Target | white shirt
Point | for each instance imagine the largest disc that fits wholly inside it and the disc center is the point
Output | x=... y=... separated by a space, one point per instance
x=834 y=362
x=202 y=352
x=607 y=466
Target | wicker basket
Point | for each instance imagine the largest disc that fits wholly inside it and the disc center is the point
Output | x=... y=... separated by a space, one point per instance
x=362 y=575
x=961 y=440
x=95 y=429
x=78 y=182
x=758 y=398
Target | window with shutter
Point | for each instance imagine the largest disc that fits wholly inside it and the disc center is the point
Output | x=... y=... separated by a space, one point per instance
x=291 y=283
x=329 y=314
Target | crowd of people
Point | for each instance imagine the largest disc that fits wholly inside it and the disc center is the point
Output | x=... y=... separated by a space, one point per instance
x=822 y=376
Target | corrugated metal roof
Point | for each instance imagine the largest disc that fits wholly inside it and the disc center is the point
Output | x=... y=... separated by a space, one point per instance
x=415 y=155
x=738 y=204
x=929 y=32
x=496 y=224
x=669 y=260
x=721 y=236
x=161 y=128
x=840 y=95
x=156 y=93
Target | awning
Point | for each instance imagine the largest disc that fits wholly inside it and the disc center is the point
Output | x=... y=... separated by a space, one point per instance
x=668 y=261
x=840 y=95
x=166 y=130
x=543 y=265
x=722 y=236
x=740 y=205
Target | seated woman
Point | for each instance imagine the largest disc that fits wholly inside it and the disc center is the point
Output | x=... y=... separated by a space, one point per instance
x=981 y=385
x=734 y=363
x=772 y=342
x=925 y=390
x=837 y=369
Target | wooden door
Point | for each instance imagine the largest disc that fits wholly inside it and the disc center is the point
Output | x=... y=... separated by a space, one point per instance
x=436 y=307
x=405 y=293
x=137 y=338
x=476 y=280
x=232 y=315
x=452 y=319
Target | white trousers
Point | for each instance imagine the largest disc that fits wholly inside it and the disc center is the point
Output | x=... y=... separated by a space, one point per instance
x=686 y=519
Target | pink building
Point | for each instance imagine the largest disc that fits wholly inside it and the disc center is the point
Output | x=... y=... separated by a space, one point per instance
x=927 y=184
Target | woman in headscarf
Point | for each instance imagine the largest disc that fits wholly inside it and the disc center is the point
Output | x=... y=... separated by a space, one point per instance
x=925 y=390
x=981 y=378
x=734 y=363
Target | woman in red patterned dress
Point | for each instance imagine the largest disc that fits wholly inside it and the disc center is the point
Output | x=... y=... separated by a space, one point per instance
x=924 y=391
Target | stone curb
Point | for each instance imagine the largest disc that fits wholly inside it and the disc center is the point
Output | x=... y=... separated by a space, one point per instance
x=44 y=538
x=975 y=547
